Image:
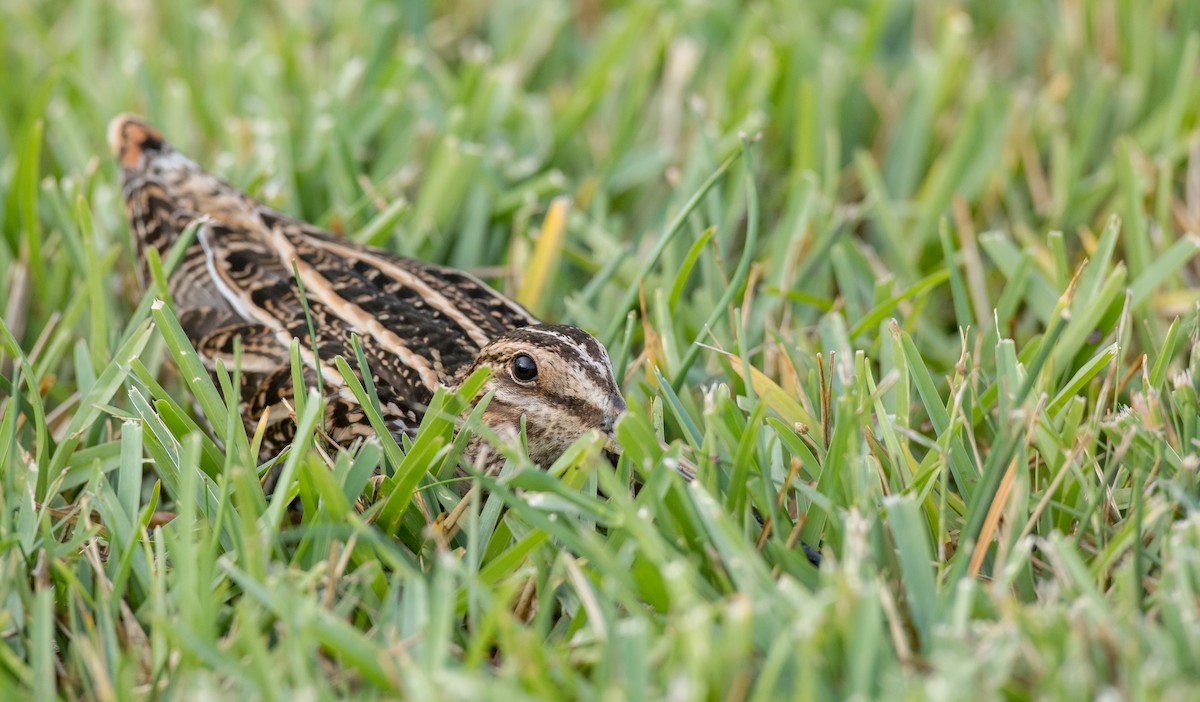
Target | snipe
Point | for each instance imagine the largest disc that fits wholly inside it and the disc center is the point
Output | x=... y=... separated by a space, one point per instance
x=420 y=325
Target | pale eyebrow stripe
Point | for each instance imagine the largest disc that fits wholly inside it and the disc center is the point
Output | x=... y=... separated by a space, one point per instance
x=598 y=364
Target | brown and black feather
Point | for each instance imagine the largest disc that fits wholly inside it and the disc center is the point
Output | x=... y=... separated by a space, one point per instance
x=420 y=325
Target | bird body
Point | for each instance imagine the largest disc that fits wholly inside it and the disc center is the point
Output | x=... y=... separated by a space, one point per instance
x=420 y=325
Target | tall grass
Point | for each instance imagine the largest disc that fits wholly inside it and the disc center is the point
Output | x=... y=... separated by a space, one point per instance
x=912 y=282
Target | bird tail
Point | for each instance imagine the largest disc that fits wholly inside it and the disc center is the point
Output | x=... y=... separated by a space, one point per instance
x=135 y=142
x=151 y=169
x=165 y=191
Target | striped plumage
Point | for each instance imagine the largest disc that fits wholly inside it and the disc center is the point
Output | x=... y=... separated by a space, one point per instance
x=420 y=325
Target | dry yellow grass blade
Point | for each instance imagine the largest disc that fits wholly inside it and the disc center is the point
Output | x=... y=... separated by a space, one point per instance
x=547 y=252
x=771 y=393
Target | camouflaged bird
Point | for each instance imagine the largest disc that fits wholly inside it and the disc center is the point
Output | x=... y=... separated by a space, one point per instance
x=420 y=325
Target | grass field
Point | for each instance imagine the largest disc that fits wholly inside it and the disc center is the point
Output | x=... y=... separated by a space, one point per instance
x=915 y=282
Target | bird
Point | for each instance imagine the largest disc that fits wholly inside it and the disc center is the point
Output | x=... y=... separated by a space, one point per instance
x=421 y=326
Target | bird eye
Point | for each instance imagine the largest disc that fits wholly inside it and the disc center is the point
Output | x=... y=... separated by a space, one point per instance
x=524 y=370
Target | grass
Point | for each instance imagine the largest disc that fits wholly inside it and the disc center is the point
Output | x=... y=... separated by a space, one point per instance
x=911 y=281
